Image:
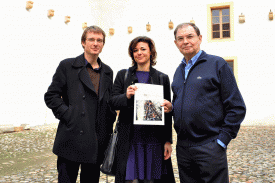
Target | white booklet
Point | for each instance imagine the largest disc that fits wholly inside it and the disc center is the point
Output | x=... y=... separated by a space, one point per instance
x=147 y=105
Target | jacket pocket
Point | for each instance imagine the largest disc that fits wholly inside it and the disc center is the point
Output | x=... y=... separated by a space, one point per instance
x=67 y=117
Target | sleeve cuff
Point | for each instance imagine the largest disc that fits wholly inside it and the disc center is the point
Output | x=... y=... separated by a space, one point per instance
x=61 y=111
x=221 y=143
x=224 y=137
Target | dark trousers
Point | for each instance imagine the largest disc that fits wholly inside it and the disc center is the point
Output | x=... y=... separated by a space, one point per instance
x=202 y=164
x=68 y=171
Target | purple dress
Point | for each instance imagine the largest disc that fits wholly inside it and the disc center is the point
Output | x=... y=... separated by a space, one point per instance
x=146 y=154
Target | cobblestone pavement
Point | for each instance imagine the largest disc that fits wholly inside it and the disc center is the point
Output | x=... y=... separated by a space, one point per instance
x=26 y=156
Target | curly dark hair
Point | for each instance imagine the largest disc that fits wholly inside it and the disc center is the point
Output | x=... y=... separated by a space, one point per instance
x=151 y=45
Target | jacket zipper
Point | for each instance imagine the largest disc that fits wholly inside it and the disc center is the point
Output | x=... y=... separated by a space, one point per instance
x=184 y=83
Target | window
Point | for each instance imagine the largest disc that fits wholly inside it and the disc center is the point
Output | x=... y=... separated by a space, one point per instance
x=231 y=64
x=220 y=21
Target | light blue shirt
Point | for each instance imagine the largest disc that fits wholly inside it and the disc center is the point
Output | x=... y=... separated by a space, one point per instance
x=190 y=63
x=188 y=66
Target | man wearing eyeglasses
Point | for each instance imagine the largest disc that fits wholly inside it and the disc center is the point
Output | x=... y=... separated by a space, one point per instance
x=208 y=109
x=79 y=98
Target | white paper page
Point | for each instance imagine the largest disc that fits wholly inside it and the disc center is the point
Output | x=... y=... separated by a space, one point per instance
x=147 y=105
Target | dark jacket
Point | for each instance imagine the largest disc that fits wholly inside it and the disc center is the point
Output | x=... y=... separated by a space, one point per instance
x=86 y=118
x=120 y=102
x=208 y=104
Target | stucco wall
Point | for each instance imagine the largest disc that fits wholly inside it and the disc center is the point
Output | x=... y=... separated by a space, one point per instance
x=33 y=45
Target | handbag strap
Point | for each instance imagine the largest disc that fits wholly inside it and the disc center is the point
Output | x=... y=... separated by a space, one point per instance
x=161 y=79
x=125 y=77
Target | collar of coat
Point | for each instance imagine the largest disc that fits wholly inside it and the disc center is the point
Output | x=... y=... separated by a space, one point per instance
x=106 y=75
x=80 y=62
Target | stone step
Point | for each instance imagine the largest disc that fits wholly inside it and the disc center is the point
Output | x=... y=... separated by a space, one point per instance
x=12 y=128
x=6 y=128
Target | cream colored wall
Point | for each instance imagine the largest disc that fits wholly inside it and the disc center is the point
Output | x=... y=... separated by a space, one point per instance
x=252 y=46
x=33 y=45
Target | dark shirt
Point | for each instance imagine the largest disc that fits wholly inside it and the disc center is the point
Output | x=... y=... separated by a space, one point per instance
x=94 y=74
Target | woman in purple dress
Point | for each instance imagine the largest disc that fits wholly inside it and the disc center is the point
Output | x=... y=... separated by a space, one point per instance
x=143 y=151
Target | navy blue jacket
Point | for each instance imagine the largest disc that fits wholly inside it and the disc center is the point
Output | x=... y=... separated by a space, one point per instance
x=208 y=104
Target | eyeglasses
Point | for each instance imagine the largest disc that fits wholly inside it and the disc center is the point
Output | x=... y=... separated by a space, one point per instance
x=92 y=40
x=181 y=39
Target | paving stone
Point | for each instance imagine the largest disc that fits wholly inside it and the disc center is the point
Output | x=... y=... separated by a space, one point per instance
x=251 y=156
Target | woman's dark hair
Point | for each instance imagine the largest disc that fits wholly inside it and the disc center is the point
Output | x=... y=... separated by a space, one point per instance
x=151 y=45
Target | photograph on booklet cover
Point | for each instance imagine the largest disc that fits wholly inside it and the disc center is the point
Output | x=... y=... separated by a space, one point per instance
x=147 y=105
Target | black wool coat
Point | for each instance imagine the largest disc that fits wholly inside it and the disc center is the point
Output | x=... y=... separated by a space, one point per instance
x=120 y=102
x=86 y=119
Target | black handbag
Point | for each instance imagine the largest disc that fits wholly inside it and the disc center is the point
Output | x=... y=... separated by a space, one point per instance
x=108 y=162
x=107 y=165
